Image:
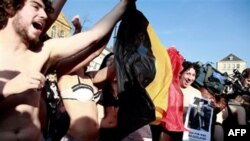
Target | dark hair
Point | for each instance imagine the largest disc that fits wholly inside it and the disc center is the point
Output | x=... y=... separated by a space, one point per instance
x=246 y=73
x=105 y=59
x=187 y=65
x=16 y=5
x=107 y=98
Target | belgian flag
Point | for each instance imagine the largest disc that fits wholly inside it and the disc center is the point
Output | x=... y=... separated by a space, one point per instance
x=158 y=89
x=173 y=117
x=144 y=74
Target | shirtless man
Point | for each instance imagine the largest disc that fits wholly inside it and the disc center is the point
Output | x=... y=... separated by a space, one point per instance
x=22 y=67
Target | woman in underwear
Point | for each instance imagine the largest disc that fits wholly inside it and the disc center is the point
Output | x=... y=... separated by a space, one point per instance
x=77 y=91
x=109 y=100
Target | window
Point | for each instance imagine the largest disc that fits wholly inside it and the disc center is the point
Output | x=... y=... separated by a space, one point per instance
x=62 y=34
x=95 y=66
x=238 y=66
x=228 y=67
x=53 y=32
x=224 y=67
x=231 y=58
x=233 y=67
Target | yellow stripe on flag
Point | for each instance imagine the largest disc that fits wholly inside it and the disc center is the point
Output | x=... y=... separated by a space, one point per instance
x=158 y=88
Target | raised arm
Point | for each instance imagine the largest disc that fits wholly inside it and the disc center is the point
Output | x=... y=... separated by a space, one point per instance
x=100 y=77
x=82 y=59
x=87 y=39
x=57 y=6
x=106 y=71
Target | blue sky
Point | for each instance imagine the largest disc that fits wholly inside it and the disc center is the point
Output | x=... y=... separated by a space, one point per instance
x=202 y=30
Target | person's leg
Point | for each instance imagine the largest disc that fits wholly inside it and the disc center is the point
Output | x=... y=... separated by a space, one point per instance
x=241 y=115
x=166 y=137
x=156 y=132
x=218 y=133
x=237 y=110
x=171 y=136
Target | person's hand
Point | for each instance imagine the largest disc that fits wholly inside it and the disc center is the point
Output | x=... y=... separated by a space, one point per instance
x=129 y=1
x=25 y=81
x=76 y=23
x=130 y=6
x=213 y=104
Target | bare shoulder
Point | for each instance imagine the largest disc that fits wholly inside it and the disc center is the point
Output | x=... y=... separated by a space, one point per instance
x=36 y=58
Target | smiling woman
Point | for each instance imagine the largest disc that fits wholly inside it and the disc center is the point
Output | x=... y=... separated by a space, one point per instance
x=188 y=74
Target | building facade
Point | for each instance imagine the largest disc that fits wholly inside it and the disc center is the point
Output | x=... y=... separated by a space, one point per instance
x=230 y=63
x=96 y=63
x=60 y=28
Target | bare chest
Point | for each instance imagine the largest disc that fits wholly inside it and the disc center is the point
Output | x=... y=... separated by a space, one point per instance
x=10 y=68
x=20 y=63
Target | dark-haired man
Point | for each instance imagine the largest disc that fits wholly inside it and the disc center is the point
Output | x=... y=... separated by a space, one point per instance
x=22 y=67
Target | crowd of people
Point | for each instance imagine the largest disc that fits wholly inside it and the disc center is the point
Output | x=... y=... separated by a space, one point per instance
x=47 y=93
